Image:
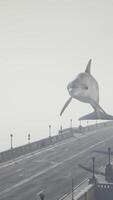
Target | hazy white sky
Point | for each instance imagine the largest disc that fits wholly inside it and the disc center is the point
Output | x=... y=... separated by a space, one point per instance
x=44 y=44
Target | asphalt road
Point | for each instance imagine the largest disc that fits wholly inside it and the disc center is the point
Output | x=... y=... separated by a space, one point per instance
x=51 y=170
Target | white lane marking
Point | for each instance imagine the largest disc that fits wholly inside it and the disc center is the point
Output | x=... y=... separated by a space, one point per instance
x=19 y=170
x=27 y=180
x=52 y=167
x=70 y=140
x=20 y=175
x=23 y=157
x=46 y=161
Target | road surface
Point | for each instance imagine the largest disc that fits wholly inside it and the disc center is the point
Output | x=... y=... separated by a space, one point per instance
x=51 y=170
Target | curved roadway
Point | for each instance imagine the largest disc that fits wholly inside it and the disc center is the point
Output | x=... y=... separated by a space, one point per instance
x=51 y=170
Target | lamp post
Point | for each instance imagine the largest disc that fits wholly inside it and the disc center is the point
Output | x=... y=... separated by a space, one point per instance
x=42 y=196
x=109 y=153
x=80 y=126
x=93 y=159
x=93 y=180
x=49 y=131
x=96 y=123
x=109 y=168
x=29 y=138
x=61 y=129
x=72 y=189
x=71 y=121
x=11 y=135
x=87 y=125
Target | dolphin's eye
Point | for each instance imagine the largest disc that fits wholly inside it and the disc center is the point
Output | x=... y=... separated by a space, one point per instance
x=85 y=87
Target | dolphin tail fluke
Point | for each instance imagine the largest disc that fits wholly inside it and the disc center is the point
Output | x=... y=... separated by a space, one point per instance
x=101 y=109
x=97 y=116
x=65 y=106
x=96 y=106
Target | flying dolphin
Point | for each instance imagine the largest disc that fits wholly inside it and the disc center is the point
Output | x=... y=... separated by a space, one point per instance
x=85 y=89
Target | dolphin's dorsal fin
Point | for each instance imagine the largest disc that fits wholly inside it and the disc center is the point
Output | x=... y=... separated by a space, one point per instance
x=88 y=67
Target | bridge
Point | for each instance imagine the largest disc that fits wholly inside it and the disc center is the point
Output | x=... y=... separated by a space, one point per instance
x=51 y=169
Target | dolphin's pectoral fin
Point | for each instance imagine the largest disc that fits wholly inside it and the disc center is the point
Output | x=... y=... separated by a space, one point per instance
x=96 y=106
x=88 y=67
x=66 y=104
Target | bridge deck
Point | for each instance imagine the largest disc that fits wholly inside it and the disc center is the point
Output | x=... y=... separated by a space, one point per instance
x=51 y=170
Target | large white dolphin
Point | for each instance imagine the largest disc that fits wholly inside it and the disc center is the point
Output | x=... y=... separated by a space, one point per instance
x=85 y=88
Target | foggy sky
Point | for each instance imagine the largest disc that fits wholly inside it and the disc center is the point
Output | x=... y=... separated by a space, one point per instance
x=44 y=44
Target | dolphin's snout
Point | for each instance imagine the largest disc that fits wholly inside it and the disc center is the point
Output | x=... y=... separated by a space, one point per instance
x=70 y=88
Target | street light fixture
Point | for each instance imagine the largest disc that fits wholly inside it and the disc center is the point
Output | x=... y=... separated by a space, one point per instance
x=29 y=138
x=49 y=131
x=109 y=153
x=72 y=189
x=11 y=135
x=87 y=125
x=42 y=196
x=93 y=159
x=80 y=126
x=71 y=124
x=93 y=180
x=96 y=123
x=60 y=129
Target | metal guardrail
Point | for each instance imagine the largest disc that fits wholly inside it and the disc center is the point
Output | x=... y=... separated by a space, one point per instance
x=69 y=194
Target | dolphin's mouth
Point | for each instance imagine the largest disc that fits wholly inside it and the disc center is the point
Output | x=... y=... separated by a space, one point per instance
x=78 y=87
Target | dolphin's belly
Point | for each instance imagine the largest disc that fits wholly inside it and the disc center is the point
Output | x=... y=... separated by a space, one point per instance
x=85 y=99
x=93 y=90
